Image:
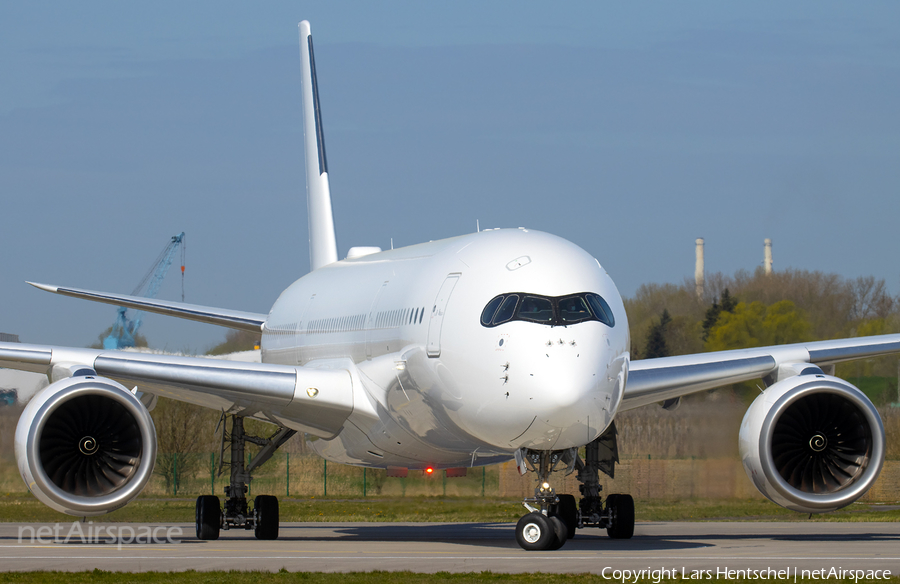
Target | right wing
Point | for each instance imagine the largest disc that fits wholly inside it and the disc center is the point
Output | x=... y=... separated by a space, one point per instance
x=248 y=321
x=317 y=401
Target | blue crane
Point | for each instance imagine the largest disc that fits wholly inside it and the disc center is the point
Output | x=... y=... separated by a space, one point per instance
x=125 y=328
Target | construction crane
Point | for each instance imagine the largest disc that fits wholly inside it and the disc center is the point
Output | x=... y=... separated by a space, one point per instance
x=124 y=328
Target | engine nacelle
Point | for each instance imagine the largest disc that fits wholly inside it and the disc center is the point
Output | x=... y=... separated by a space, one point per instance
x=85 y=446
x=812 y=443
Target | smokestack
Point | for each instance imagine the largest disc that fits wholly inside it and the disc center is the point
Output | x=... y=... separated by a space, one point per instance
x=767 y=255
x=698 y=270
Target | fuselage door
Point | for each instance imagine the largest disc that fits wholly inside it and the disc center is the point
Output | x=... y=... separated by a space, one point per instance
x=301 y=326
x=437 y=315
x=371 y=332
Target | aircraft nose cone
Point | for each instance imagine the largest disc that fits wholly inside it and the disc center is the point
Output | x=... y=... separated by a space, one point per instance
x=563 y=388
x=566 y=378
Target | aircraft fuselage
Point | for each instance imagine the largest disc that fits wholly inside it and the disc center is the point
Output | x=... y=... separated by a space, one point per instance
x=439 y=381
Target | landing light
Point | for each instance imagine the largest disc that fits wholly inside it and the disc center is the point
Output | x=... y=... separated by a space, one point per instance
x=545 y=486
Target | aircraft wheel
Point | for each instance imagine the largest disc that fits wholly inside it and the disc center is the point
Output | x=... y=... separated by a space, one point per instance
x=265 y=507
x=567 y=511
x=559 y=533
x=208 y=517
x=536 y=532
x=621 y=509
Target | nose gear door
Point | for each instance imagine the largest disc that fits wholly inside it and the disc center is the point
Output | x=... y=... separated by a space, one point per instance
x=437 y=315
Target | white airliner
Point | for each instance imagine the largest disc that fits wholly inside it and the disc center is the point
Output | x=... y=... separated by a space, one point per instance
x=491 y=346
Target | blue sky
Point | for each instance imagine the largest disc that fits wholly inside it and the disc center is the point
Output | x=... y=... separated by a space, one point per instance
x=629 y=128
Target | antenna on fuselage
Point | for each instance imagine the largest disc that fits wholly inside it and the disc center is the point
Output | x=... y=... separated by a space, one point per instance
x=477 y=226
x=322 y=242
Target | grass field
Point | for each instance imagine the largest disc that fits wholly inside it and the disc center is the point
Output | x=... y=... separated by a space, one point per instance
x=284 y=577
x=25 y=508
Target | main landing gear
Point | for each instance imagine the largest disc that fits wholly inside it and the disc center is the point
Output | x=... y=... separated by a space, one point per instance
x=553 y=518
x=263 y=517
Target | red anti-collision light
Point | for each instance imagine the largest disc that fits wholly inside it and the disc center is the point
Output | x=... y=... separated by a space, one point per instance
x=429 y=470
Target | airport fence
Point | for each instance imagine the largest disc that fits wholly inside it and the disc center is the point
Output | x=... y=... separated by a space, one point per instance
x=307 y=475
x=291 y=475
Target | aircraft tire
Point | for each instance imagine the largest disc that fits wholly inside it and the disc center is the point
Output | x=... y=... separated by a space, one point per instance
x=623 y=513
x=208 y=517
x=567 y=511
x=266 y=509
x=535 y=532
x=559 y=532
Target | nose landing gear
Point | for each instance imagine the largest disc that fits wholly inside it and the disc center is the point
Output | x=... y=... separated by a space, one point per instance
x=552 y=518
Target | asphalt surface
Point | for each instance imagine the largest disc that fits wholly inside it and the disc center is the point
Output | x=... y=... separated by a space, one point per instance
x=454 y=547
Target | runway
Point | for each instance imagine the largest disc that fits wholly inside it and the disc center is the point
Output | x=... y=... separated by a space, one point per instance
x=453 y=547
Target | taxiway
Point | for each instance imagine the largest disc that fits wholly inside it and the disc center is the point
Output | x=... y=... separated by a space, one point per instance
x=464 y=547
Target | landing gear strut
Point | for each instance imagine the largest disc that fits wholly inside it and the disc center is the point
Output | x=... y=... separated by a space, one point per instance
x=617 y=515
x=553 y=518
x=263 y=517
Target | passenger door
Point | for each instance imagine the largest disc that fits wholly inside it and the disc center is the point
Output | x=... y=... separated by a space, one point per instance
x=436 y=319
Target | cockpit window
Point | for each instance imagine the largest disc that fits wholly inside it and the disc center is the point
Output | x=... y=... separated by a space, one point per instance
x=573 y=309
x=558 y=311
x=601 y=309
x=536 y=309
x=507 y=309
x=488 y=315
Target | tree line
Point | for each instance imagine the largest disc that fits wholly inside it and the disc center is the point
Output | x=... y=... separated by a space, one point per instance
x=758 y=309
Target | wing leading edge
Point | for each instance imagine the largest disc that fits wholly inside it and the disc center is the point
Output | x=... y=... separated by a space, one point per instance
x=654 y=380
x=249 y=321
x=318 y=401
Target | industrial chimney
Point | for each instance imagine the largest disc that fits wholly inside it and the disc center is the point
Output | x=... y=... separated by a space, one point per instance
x=698 y=270
x=767 y=255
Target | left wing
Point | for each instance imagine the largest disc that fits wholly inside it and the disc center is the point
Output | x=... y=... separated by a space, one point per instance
x=655 y=380
x=317 y=401
x=236 y=319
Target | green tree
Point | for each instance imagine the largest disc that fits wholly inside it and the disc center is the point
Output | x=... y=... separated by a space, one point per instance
x=756 y=325
x=656 y=340
x=729 y=303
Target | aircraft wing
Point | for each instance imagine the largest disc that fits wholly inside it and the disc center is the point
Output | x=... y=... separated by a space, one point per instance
x=249 y=321
x=655 y=380
x=302 y=398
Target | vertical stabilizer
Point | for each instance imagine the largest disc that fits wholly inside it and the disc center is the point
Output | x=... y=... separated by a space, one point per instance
x=322 y=243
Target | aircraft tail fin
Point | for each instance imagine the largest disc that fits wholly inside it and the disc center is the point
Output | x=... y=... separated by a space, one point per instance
x=322 y=241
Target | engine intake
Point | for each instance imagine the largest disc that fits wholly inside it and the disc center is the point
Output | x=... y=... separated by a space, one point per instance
x=812 y=443
x=85 y=446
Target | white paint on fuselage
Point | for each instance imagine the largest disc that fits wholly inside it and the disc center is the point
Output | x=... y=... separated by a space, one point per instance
x=543 y=387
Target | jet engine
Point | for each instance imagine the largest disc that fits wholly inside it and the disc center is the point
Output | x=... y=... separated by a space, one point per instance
x=85 y=445
x=812 y=443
